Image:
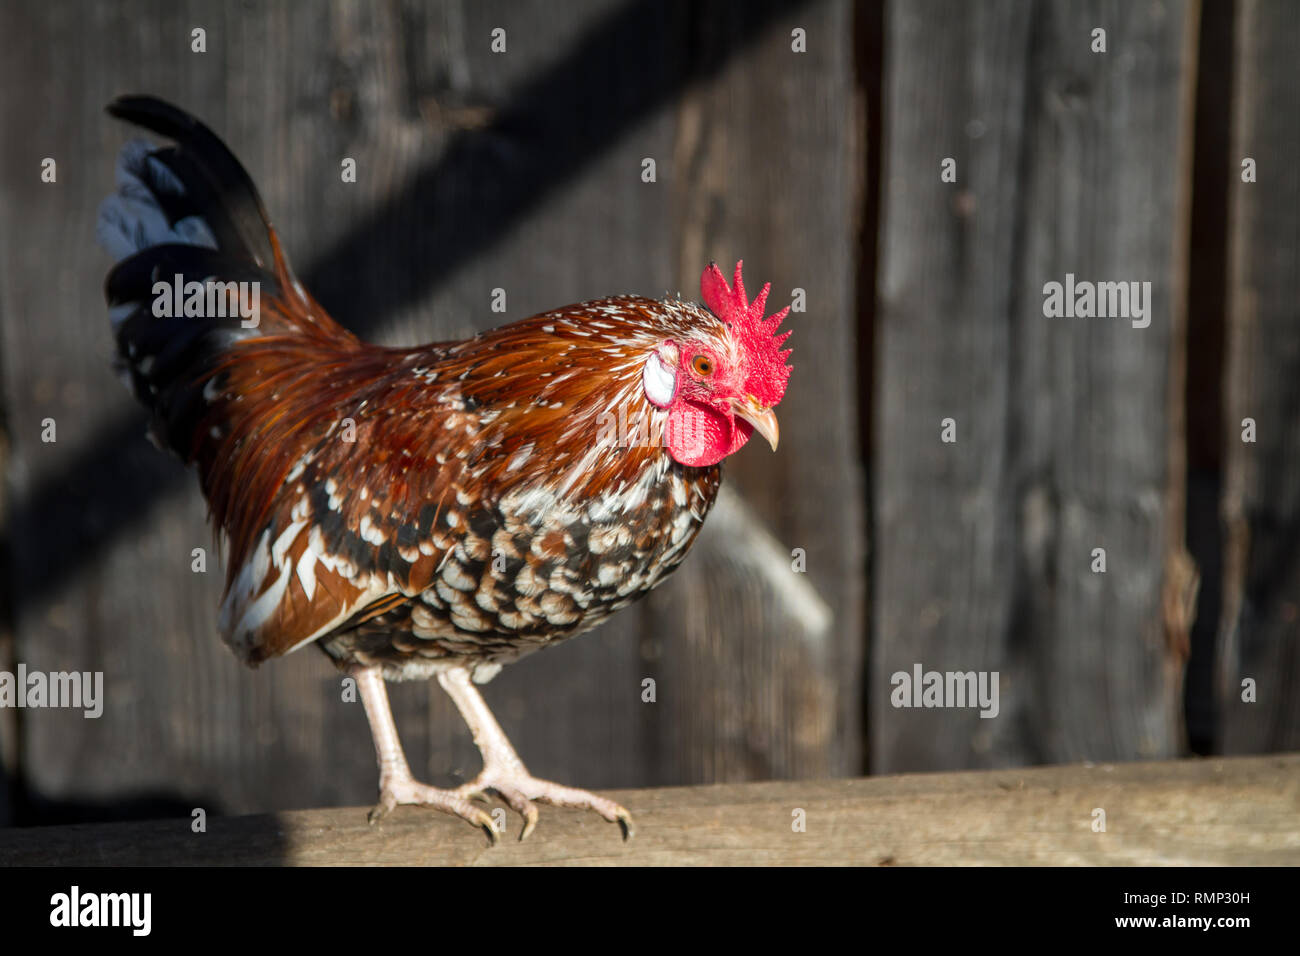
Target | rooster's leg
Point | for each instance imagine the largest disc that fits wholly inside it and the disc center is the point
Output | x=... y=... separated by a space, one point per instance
x=505 y=773
x=396 y=785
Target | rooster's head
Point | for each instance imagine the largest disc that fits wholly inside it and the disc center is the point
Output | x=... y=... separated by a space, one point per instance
x=722 y=384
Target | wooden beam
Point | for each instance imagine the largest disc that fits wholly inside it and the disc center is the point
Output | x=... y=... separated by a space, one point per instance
x=1067 y=162
x=1261 y=498
x=1240 y=811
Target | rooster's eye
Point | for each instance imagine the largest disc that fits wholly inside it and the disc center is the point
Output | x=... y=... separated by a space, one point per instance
x=703 y=365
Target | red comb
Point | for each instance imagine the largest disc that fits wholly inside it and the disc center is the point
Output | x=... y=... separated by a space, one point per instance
x=768 y=372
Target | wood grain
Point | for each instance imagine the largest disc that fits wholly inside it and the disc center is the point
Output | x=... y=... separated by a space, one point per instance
x=778 y=128
x=1240 y=811
x=1068 y=161
x=1258 y=638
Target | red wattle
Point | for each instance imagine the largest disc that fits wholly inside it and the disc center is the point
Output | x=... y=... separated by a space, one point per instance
x=698 y=435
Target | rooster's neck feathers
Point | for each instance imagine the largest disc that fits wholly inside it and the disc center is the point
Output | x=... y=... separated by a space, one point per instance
x=558 y=401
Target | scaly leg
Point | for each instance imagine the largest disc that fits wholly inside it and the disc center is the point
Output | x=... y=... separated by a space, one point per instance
x=505 y=773
x=396 y=785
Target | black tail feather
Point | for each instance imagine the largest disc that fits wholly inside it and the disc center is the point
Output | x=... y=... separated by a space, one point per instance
x=188 y=213
x=208 y=169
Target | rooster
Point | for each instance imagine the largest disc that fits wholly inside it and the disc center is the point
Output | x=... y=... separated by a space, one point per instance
x=423 y=512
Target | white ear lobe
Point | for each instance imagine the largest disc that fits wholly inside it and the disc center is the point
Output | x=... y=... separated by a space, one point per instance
x=660 y=381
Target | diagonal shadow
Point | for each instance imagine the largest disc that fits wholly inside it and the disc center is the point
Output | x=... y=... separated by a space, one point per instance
x=635 y=61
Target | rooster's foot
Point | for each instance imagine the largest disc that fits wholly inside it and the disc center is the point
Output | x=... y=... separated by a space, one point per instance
x=520 y=789
x=405 y=790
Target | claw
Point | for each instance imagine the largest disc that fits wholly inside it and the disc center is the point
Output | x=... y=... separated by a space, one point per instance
x=520 y=803
x=530 y=822
x=625 y=824
x=380 y=810
x=484 y=822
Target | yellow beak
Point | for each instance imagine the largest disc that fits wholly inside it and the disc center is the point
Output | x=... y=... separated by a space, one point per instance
x=763 y=419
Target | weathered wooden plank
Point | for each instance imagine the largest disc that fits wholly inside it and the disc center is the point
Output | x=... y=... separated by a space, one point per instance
x=763 y=168
x=1260 y=631
x=1238 y=811
x=1067 y=161
x=410 y=90
x=1207 y=284
x=940 y=595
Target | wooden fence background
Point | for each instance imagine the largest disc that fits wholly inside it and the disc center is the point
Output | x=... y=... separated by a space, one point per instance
x=522 y=170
